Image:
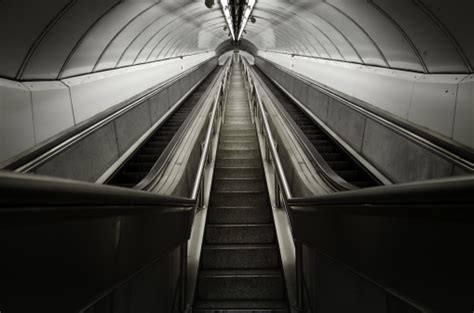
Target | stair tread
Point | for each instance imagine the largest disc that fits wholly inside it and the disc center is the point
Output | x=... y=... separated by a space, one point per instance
x=242 y=304
x=240 y=273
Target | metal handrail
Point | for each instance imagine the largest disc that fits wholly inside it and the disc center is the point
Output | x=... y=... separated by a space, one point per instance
x=271 y=143
x=160 y=165
x=157 y=171
x=218 y=104
x=25 y=197
x=82 y=131
x=323 y=168
x=449 y=151
x=376 y=201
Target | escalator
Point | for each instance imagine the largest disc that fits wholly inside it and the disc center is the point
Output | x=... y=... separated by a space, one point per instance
x=240 y=267
x=141 y=162
x=335 y=156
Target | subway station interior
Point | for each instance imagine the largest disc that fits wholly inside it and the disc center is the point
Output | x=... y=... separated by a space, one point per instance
x=240 y=156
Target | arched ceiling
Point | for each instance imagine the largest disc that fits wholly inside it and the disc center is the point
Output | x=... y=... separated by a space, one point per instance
x=54 y=39
x=430 y=36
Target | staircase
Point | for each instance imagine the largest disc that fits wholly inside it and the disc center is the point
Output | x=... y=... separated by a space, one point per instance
x=240 y=267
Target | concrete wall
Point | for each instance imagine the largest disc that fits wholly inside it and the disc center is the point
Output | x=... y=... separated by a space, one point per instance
x=31 y=113
x=434 y=101
x=90 y=157
x=395 y=155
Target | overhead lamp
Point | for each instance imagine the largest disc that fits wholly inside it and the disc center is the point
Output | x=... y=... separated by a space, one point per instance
x=248 y=10
x=228 y=17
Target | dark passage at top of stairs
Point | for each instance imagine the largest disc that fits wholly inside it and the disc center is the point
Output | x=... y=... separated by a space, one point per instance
x=240 y=268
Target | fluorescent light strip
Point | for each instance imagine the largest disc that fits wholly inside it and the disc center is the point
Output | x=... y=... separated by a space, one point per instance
x=228 y=18
x=245 y=19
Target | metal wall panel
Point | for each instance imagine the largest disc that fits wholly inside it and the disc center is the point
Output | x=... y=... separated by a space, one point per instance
x=50 y=99
x=16 y=119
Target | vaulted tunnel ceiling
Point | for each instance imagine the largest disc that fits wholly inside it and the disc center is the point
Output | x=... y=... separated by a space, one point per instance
x=54 y=39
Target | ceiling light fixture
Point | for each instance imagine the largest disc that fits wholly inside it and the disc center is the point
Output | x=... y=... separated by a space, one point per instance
x=248 y=10
x=228 y=18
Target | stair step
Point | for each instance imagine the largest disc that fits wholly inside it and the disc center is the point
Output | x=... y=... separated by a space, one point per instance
x=350 y=175
x=240 y=257
x=238 y=184
x=241 y=307
x=221 y=162
x=336 y=156
x=238 y=145
x=239 y=198
x=240 y=285
x=238 y=127
x=142 y=157
x=132 y=176
x=240 y=233
x=238 y=137
x=236 y=215
x=238 y=132
x=238 y=154
x=140 y=167
x=238 y=172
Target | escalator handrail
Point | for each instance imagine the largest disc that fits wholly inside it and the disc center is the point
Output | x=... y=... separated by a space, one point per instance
x=447 y=150
x=271 y=143
x=160 y=165
x=453 y=190
x=448 y=190
x=21 y=192
x=330 y=176
x=51 y=149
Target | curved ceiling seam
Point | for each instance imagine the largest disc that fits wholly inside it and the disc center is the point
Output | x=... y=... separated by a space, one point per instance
x=384 y=58
x=446 y=32
x=178 y=33
x=282 y=38
x=169 y=43
x=283 y=21
x=289 y=49
x=173 y=49
x=153 y=37
x=287 y=31
x=305 y=21
x=142 y=31
x=403 y=33
x=342 y=34
x=160 y=40
x=81 y=39
x=31 y=51
x=328 y=38
x=177 y=46
x=276 y=29
x=120 y=31
x=169 y=33
x=184 y=49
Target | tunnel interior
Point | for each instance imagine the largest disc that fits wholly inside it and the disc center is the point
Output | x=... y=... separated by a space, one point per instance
x=356 y=116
